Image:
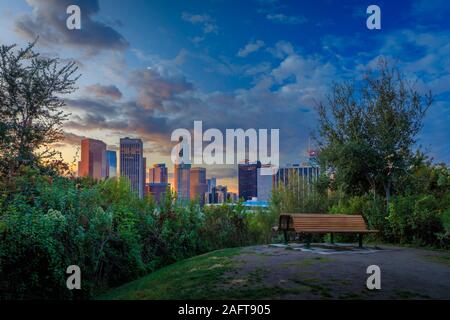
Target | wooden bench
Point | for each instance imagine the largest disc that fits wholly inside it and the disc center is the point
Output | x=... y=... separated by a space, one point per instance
x=310 y=223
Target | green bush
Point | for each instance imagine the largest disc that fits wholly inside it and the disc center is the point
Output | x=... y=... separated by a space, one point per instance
x=48 y=223
x=416 y=219
x=373 y=209
x=225 y=226
x=444 y=237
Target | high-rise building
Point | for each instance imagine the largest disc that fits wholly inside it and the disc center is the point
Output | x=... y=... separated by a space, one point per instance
x=264 y=184
x=158 y=174
x=218 y=194
x=210 y=183
x=221 y=194
x=198 y=186
x=93 y=159
x=181 y=181
x=132 y=163
x=144 y=170
x=157 y=190
x=248 y=179
x=209 y=197
x=233 y=197
x=304 y=175
x=111 y=163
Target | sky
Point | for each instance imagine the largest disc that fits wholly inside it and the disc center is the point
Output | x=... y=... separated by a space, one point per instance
x=150 y=67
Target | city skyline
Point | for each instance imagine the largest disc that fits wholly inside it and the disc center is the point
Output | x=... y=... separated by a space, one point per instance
x=192 y=182
x=161 y=65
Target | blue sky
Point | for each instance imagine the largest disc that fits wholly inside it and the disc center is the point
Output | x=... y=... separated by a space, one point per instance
x=149 y=67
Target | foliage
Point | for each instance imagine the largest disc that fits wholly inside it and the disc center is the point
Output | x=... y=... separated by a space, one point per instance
x=371 y=208
x=419 y=216
x=31 y=106
x=225 y=225
x=418 y=219
x=297 y=195
x=368 y=129
x=50 y=222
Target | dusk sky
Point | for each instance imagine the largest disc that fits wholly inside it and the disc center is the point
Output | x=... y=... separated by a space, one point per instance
x=149 y=67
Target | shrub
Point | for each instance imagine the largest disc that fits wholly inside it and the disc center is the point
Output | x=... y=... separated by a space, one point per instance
x=48 y=223
x=415 y=219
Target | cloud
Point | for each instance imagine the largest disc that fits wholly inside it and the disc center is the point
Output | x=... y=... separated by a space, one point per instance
x=72 y=138
x=127 y=119
x=105 y=91
x=48 y=21
x=250 y=47
x=253 y=70
x=166 y=66
x=206 y=21
x=281 y=49
x=93 y=106
x=154 y=88
x=164 y=102
x=152 y=115
x=69 y=139
x=197 y=39
x=282 y=18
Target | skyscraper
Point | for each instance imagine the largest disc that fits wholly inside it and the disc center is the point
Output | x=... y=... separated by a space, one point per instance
x=144 y=172
x=198 y=186
x=248 y=179
x=181 y=181
x=111 y=163
x=304 y=176
x=218 y=194
x=157 y=190
x=93 y=159
x=221 y=193
x=158 y=174
x=211 y=183
x=157 y=181
x=132 y=163
x=264 y=184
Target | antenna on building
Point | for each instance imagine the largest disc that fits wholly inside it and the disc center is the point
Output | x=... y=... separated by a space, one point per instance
x=312 y=155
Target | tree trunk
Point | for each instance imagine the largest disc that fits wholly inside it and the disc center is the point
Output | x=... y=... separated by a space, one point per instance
x=387 y=189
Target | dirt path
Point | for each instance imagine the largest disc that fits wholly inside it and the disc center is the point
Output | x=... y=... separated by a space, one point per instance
x=406 y=273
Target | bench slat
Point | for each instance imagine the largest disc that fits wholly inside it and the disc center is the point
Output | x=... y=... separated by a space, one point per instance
x=323 y=223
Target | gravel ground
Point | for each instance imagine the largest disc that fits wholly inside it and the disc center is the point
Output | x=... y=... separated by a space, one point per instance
x=406 y=273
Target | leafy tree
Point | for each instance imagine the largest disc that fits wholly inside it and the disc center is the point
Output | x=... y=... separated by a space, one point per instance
x=368 y=129
x=31 y=106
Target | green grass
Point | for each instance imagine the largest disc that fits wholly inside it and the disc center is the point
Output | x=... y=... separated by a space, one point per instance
x=194 y=278
x=209 y=276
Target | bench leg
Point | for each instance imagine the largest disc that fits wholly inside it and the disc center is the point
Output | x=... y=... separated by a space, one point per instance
x=308 y=241
x=331 y=238
x=360 y=240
